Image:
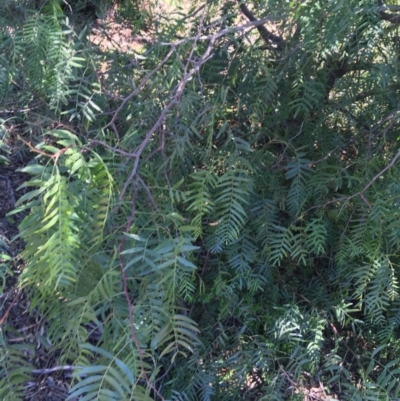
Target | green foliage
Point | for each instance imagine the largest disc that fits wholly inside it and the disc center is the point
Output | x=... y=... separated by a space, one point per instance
x=70 y=201
x=220 y=210
x=15 y=369
x=114 y=380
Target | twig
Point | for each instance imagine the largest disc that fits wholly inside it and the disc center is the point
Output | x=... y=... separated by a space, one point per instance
x=140 y=87
x=193 y=13
x=359 y=193
x=390 y=116
x=379 y=174
x=128 y=299
x=54 y=156
x=222 y=32
x=55 y=369
x=24 y=110
x=7 y=312
x=121 y=152
x=147 y=189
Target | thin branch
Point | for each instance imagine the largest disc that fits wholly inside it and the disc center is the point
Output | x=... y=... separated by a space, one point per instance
x=140 y=87
x=121 y=152
x=390 y=116
x=54 y=156
x=175 y=101
x=393 y=18
x=387 y=7
x=193 y=13
x=222 y=32
x=346 y=199
x=24 y=110
x=7 y=312
x=55 y=369
x=131 y=307
x=149 y=195
x=379 y=174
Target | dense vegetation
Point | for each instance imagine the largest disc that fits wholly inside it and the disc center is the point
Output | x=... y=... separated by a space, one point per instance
x=212 y=214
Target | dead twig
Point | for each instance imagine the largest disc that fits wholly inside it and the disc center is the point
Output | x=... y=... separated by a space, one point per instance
x=54 y=156
x=7 y=312
x=55 y=369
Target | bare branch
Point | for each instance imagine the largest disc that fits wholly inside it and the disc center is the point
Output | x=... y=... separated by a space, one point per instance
x=266 y=35
x=149 y=195
x=140 y=87
x=211 y=38
x=393 y=18
x=346 y=199
x=7 y=312
x=121 y=152
x=222 y=32
x=193 y=13
x=175 y=101
x=55 y=369
x=379 y=174
x=131 y=307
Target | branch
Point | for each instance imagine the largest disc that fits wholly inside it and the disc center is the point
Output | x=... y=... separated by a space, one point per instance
x=193 y=13
x=55 y=369
x=131 y=307
x=150 y=196
x=175 y=101
x=379 y=174
x=339 y=72
x=121 y=152
x=176 y=97
x=222 y=32
x=345 y=199
x=266 y=35
x=139 y=88
x=7 y=312
x=211 y=38
x=393 y=18
x=54 y=156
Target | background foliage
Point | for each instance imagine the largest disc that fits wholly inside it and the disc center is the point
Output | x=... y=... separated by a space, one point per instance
x=214 y=213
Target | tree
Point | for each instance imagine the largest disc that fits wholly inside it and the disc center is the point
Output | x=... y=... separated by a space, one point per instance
x=220 y=206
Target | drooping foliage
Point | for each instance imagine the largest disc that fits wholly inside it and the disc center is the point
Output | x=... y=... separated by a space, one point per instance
x=220 y=205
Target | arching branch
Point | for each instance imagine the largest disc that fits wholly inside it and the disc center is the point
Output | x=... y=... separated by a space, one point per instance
x=266 y=35
x=393 y=18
